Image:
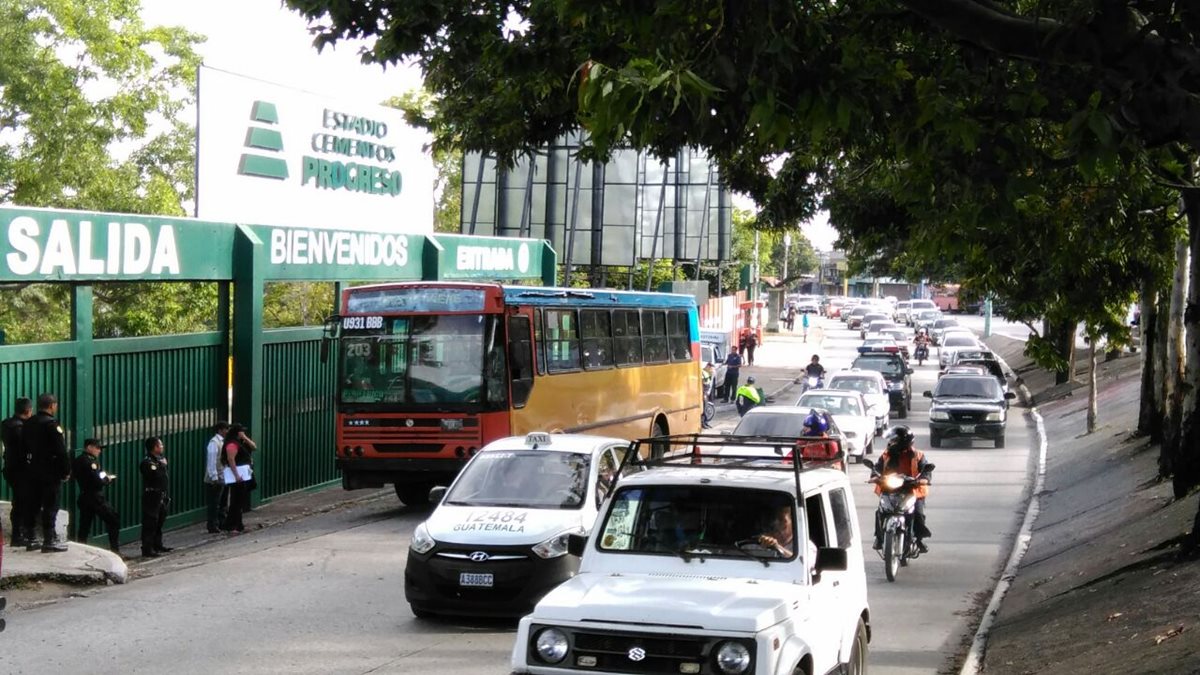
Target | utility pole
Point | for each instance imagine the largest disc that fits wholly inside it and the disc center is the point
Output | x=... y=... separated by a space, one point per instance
x=754 y=271
x=787 y=249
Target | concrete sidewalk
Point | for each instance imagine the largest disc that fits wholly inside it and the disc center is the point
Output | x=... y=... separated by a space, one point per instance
x=80 y=563
x=779 y=362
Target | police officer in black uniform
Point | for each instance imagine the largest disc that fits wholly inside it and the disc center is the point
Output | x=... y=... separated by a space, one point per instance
x=17 y=470
x=155 y=498
x=92 y=479
x=43 y=435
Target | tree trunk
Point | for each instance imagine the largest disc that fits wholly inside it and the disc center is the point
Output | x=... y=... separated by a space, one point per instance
x=1187 y=463
x=1173 y=371
x=1161 y=331
x=1064 y=340
x=1149 y=420
x=1092 y=364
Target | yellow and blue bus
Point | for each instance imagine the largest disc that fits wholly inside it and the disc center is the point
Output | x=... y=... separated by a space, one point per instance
x=429 y=372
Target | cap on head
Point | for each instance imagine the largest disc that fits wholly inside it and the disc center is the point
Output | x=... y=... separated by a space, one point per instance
x=750 y=380
x=94 y=443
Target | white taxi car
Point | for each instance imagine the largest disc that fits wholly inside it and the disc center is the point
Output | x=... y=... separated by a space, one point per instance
x=713 y=569
x=497 y=541
x=874 y=389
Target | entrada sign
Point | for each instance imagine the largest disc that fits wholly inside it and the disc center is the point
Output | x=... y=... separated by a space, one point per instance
x=41 y=244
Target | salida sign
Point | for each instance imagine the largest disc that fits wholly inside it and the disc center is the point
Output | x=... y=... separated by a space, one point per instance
x=37 y=244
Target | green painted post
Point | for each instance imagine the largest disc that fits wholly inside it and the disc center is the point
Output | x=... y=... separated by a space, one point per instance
x=249 y=270
x=223 y=376
x=549 y=264
x=81 y=400
x=337 y=296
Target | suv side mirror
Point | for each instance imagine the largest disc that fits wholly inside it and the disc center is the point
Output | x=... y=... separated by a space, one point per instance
x=436 y=494
x=576 y=544
x=831 y=560
x=1009 y=395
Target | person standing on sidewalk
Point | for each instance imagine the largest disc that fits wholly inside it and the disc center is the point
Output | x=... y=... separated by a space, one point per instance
x=92 y=479
x=751 y=343
x=804 y=325
x=733 y=368
x=216 y=492
x=43 y=436
x=234 y=455
x=156 y=498
x=17 y=471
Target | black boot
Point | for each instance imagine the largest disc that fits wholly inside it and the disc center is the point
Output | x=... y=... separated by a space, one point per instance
x=53 y=545
x=921 y=546
x=32 y=543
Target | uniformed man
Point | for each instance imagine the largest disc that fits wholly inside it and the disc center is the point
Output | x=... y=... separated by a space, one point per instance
x=17 y=471
x=155 y=498
x=44 y=437
x=92 y=479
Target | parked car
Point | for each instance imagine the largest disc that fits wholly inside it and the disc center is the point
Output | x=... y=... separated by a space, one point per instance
x=895 y=371
x=968 y=406
x=873 y=388
x=850 y=411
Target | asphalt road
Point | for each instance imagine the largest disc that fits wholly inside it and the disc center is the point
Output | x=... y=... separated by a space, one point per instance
x=324 y=594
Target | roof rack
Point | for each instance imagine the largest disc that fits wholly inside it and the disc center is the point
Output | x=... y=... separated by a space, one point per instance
x=688 y=450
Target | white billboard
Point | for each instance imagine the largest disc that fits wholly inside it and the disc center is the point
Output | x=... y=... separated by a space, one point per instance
x=273 y=155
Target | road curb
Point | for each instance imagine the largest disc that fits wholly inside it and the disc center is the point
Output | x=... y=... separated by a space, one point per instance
x=101 y=566
x=974 y=660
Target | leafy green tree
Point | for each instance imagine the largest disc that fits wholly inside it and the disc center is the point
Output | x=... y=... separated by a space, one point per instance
x=89 y=101
x=419 y=109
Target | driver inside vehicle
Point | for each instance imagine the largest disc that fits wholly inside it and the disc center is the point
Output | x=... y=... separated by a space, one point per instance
x=780 y=532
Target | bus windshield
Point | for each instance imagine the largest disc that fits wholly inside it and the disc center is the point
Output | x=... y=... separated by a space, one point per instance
x=425 y=359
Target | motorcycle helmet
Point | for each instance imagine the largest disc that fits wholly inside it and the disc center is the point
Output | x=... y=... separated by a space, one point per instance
x=899 y=437
x=815 y=422
x=750 y=380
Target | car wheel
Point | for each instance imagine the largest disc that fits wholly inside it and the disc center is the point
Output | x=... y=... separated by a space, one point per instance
x=857 y=665
x=999 y=441
x=415 y=495
x=935 y=441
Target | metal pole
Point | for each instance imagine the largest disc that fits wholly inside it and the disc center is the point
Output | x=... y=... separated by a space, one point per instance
x=787 y=249
x=571 y=224
x=987 y=317
x=478 y=188
x=527 y=205
x=703 y=221
x=754 y=270
x=662 y=203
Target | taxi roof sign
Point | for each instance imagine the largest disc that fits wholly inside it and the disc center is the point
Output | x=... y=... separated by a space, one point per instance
x=537 y=438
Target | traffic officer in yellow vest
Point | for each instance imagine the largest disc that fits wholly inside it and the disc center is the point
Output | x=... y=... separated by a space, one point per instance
x=92 y=479
x=747 y=396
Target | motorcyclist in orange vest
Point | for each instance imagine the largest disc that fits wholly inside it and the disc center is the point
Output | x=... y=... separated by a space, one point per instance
x=901 y=457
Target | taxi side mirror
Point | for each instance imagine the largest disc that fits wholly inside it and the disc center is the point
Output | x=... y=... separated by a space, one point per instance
x=576 y=544
x=436 y=494
x=831 y=560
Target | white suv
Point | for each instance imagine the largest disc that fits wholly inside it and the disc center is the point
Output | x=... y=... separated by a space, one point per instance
x=693 y=567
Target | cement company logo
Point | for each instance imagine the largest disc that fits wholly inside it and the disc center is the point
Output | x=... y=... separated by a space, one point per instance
x=263 y=138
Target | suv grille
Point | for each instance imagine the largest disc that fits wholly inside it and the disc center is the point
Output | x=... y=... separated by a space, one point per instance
x=662 y=654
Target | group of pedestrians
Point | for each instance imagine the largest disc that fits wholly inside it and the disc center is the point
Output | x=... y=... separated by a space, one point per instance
x=37 y=464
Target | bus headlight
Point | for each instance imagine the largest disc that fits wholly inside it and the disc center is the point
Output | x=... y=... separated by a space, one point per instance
x=421 y=542
x=733 y=658
x=551 y=645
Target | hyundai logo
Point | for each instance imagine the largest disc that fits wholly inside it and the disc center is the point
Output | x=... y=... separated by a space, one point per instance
x=409 y=423
x=637 y=654
x=479 y=556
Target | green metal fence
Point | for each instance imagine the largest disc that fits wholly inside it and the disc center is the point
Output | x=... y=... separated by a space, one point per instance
x=297 y=438
x=29 y=370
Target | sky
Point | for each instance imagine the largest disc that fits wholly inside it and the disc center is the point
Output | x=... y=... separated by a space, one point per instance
x=262 y=39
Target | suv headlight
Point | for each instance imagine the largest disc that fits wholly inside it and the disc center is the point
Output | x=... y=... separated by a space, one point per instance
x=895 y=385
x=733 y=658
x=421 y=542
x=555 y=546
x=995 y=416
x=939 y=415
x=551 y=645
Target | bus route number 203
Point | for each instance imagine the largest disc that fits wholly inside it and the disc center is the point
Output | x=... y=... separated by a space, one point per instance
x=361 y=322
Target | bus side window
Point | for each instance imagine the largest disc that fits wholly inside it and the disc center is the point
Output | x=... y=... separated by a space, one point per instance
x=562 y=336
x=680 y=341
x=654 y=332
x=627 y=331
x=597 y=338
x=520 y=360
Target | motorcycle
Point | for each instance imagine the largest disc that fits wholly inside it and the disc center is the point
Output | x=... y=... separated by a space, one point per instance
x=921 y=353
x=710 y=406
x=897 y=504
x=812 y=382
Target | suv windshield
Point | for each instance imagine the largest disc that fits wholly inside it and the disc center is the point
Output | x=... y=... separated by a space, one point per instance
x=426 y=359
x=968 y=387
x=702 y=521
x=534 y=479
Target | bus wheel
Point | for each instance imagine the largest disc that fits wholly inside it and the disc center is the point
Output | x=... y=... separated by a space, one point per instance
x=413 y=494
x=659 y=448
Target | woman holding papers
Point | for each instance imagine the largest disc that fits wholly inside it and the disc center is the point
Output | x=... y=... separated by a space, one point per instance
x=235 y=458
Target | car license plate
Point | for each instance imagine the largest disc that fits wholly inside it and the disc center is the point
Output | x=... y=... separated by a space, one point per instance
x=483 y=580
x=967 y=428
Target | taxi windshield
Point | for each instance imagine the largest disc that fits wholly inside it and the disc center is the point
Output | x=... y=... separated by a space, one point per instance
x=701 y=521
x=534 y=479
